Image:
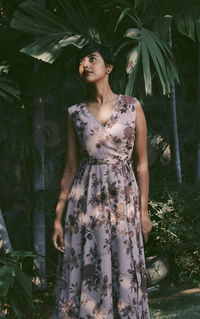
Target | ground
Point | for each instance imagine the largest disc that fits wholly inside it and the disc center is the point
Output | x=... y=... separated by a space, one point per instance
x=171 y=303
x=175 y=303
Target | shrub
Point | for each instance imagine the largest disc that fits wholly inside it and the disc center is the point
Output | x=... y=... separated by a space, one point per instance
x=15 y=284
x=175 y=212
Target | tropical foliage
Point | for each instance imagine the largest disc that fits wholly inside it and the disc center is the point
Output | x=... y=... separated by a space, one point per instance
x=176 y=229
x=15 y=284
x=139 y=29
x=37 y=82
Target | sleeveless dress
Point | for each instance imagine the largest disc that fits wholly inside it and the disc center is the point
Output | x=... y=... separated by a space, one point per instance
x=101 y=274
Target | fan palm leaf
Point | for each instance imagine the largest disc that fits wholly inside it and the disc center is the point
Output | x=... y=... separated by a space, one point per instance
x=151 y=51
x=51 y=32
x=134 y=60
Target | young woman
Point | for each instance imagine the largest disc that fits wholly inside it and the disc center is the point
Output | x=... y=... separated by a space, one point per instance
x=101 y=272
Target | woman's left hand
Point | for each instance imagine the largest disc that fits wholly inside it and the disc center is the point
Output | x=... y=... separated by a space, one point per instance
x=146 y=225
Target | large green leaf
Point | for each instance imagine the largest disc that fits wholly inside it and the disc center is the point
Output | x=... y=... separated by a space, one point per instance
x=156 y=54
x=49 y=48
x=134 y=72
x=133 y=33
x=24 y=283
x=197 y=22
x=162 y=59
x=121 y=17
x=6 y=279
x=183 y=14
x=186 y=24
x=161 y=27
x=146 y=64
x=132 y=59
x=80 y=19
x=23 y=254
x=37 y=20
x=15 y=307
x=52 y=33
x=132 y=14
x=11 y=41
x=8 y=90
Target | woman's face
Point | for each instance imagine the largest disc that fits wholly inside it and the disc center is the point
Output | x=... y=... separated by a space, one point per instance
x=92 y=67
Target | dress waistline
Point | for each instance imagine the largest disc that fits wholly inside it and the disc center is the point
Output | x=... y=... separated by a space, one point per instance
x=102 y=161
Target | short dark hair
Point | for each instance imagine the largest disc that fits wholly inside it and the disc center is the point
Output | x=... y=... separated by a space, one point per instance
x=104 y=51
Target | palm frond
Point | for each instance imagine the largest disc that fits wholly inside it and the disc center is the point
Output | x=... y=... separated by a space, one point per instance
x=37 y=20
x=182 y=13
x=131 y=14
x=140 y=5
x=154 y=53
x=52 y=33
x=146 y=64
x=80 y=19
x=8 y=91
x=124 y=44
x=187 y=23
x=133 y=33
x=134 y=60
x=197 y=24
x=121 y=17
x=161 y=27
x=162 y=59
x=11 y=40
x=49 y=48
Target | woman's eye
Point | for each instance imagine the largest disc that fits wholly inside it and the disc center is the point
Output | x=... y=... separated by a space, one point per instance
x=92 y=58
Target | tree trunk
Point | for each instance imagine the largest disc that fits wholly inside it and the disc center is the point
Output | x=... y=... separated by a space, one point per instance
x=39 y=184
x=4 y=239
x=175 y=149
x=197 y=173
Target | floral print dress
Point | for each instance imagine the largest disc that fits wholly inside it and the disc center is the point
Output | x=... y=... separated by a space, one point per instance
x=101 y=274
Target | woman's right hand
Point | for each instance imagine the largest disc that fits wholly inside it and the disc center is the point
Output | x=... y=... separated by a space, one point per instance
x=58 y=238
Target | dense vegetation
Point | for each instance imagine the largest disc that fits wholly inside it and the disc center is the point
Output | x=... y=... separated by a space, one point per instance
x=38 y=82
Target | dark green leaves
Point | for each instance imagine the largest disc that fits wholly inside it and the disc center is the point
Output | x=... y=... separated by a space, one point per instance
x=15 y=284
x=154 y=55
x=36 y=19
x=49 y=48
x=6 y=280
x=188 y=23
x=52 y=33
x=8 y=90
x=145 y=23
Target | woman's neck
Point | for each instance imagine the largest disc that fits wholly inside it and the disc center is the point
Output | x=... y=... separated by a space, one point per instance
x=100 y=93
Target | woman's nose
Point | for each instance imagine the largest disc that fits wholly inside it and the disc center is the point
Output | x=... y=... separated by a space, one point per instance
x=85 y=64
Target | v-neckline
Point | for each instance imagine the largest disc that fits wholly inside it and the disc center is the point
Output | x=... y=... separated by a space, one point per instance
x=112 y=114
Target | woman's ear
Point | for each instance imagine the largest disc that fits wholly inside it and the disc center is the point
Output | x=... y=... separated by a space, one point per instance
x=109 y=68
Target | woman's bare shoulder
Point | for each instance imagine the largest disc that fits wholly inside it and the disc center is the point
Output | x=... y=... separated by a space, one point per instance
x=73 y=109
x=129 y=99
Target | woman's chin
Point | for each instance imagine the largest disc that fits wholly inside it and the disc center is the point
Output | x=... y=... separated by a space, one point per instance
x=89 y=80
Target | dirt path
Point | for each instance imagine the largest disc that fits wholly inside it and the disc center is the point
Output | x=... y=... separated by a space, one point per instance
x=176 y=294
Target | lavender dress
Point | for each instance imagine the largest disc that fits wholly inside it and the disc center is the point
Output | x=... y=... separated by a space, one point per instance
x=101 y=274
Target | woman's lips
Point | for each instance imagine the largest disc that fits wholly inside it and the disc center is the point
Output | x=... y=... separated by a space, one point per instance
x=87 y=72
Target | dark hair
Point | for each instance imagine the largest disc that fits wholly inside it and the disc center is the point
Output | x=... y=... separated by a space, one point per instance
x=104 y=51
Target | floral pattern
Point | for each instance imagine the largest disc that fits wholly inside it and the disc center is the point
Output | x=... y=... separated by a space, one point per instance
x=101 y=274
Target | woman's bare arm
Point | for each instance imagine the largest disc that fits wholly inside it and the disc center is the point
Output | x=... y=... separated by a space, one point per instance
x=142 y=170
x=70 y=170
